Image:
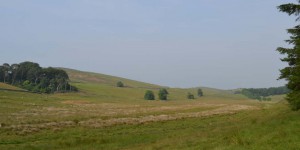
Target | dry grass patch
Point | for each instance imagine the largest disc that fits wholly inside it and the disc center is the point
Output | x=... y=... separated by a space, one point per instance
x=118 y=114
x=75 y=102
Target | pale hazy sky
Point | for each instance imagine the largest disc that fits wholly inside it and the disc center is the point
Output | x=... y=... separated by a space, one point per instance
x=179 y=43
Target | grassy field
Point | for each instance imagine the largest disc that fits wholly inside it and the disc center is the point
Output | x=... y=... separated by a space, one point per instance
x=102 y=116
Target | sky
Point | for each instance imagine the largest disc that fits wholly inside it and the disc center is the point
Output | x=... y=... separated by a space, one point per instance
x=177 y=43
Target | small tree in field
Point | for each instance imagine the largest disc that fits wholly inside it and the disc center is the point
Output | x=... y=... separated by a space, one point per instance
x=200 y=92
x=120 y=84
x=149 y=95
x=190 y=96
x=163 y=94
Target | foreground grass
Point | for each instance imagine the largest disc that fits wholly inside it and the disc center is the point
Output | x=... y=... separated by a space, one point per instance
x=275 y=127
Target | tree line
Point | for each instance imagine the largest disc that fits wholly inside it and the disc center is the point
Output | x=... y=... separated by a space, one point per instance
x=262 y=93
x=32 y=77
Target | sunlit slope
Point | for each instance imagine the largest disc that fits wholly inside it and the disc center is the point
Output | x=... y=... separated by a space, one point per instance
x=4 y=86
x=98 y=100
x=103 y=87
x=100 y=87
x=209 y=94
x=97 y=78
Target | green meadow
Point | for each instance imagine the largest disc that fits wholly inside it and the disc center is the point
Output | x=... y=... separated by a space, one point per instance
x=103 y=116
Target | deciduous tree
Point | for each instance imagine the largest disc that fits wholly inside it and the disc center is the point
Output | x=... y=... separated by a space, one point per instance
x=200 y=92
x=120 y=84
x=31 y=76
x=149 y=95
x=163 y=94
x=190 y=96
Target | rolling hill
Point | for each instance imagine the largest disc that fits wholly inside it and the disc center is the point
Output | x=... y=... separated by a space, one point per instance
x=105 y=85
x=103 y=116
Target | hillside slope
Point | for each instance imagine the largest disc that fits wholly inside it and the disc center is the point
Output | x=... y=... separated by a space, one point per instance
x=104 y=87
x=4 y=86
x=90 y=77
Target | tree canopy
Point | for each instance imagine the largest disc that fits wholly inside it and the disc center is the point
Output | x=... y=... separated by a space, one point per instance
x=32 y=77
x=291 y=73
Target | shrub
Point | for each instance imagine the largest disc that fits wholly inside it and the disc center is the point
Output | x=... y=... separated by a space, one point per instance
x=120 y=84
x=190 y=96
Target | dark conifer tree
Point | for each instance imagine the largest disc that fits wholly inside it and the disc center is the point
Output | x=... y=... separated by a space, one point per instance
x=292 y=72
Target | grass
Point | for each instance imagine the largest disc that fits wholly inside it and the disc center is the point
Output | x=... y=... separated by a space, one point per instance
x=272 y=128
x=102 y=116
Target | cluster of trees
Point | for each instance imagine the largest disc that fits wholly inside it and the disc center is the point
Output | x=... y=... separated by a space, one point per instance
x=291 y=73
x=262 y=93
x=32 y=77
x=163 y=94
